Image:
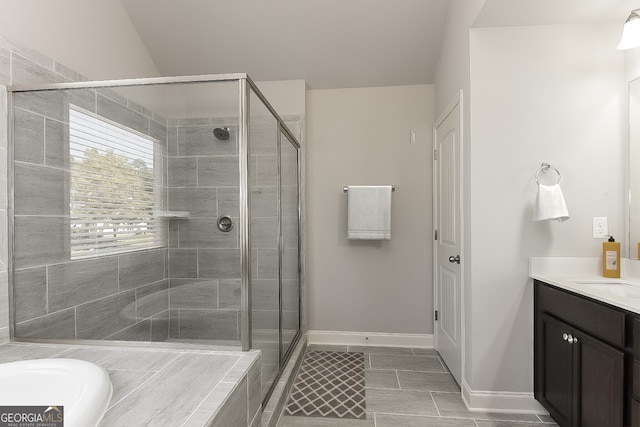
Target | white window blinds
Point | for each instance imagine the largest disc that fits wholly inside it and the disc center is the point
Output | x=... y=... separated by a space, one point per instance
x=112 y=196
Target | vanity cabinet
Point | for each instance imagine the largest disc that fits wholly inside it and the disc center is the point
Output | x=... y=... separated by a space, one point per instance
x=583 y=353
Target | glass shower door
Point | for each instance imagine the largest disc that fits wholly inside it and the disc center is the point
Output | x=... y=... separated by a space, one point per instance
x=274 y=239
x=290 y=253
x=264 y=237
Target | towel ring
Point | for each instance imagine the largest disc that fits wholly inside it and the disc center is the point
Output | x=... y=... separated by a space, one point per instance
x=544 y=168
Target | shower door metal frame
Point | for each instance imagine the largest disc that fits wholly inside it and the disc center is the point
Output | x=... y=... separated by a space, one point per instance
x=247 y=86
x=283 y=354
x=244 y=161
x=286 y=353
x=10 y=212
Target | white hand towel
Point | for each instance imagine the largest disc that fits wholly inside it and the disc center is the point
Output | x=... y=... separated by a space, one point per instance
x=369 y=216
x=550 y=204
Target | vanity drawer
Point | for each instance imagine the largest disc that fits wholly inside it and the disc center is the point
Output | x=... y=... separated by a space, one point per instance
x=597 y=319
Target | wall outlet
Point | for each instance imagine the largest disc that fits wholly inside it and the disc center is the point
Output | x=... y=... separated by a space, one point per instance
x=600 y=227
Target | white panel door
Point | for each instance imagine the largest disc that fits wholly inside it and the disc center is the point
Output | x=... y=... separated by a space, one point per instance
x=448 y=247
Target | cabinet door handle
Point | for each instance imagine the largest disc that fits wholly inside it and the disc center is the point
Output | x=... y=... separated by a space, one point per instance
x=565 y=337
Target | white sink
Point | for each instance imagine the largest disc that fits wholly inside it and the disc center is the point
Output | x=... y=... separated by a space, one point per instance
x=619 y=289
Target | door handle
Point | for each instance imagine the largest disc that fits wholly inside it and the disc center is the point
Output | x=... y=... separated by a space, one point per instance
x=455 y=259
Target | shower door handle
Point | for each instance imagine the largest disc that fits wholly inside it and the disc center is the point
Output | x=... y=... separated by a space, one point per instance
x=454 y=259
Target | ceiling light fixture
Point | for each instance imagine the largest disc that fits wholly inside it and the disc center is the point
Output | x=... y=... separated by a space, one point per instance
x=631 y=31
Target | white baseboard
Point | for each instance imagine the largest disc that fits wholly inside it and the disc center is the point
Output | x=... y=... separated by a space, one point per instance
x=504 y=402
x=370 y=338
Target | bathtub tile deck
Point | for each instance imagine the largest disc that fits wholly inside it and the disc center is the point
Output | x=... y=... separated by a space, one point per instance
x=151 y=404
x=139 y=360
x=163 y=386
x=14 y=353
x=97 y=356
x=124 y=382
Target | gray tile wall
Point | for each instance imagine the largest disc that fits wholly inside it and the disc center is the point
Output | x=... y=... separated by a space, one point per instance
x=120 y=296
x=18 y=65
x=204 y=262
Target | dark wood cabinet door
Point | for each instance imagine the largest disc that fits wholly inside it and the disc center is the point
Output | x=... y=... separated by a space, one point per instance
x=556 y=369
x=582 y=374
x=600 y=370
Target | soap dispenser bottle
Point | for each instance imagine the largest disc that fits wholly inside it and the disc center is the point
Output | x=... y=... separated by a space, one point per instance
x=611 y=258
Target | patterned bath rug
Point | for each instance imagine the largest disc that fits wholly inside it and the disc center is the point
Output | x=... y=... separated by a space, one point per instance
x=329 y=384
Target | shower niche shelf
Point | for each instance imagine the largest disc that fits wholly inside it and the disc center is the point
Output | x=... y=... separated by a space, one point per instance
x=172 y=214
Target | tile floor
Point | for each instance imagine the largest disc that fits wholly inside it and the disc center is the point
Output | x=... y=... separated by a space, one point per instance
x=412 y=388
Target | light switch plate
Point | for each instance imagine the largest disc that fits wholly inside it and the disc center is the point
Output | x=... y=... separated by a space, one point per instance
x=600 y=227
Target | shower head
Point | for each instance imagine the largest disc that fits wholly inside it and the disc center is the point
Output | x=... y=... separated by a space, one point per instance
x=221 y=133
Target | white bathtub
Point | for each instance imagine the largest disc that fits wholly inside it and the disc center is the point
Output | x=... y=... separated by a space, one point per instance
x=83 y=388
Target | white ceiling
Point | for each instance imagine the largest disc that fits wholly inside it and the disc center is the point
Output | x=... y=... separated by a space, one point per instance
x=329 y=43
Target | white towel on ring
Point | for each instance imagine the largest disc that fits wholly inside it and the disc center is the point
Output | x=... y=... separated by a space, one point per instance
x=550 y=204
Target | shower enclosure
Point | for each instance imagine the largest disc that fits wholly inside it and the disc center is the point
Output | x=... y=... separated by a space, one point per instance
x=157 y=210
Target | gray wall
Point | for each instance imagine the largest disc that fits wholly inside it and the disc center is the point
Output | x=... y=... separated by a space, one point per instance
x=453 y=74
x=533 y=102
x=96 y=39
x=359 y=137
x=538 y=94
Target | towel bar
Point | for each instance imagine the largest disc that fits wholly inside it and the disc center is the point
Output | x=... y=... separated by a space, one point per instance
x=346 y=188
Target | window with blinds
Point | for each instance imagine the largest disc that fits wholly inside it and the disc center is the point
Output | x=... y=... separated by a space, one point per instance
x=112 y=197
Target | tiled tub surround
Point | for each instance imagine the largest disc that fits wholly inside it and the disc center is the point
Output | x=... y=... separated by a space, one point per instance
x=167 y=387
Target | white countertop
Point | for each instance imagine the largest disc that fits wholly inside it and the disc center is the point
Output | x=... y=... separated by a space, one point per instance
x=584 y=276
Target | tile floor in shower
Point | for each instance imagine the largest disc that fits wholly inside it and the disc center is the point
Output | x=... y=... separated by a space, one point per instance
x=412 y=388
